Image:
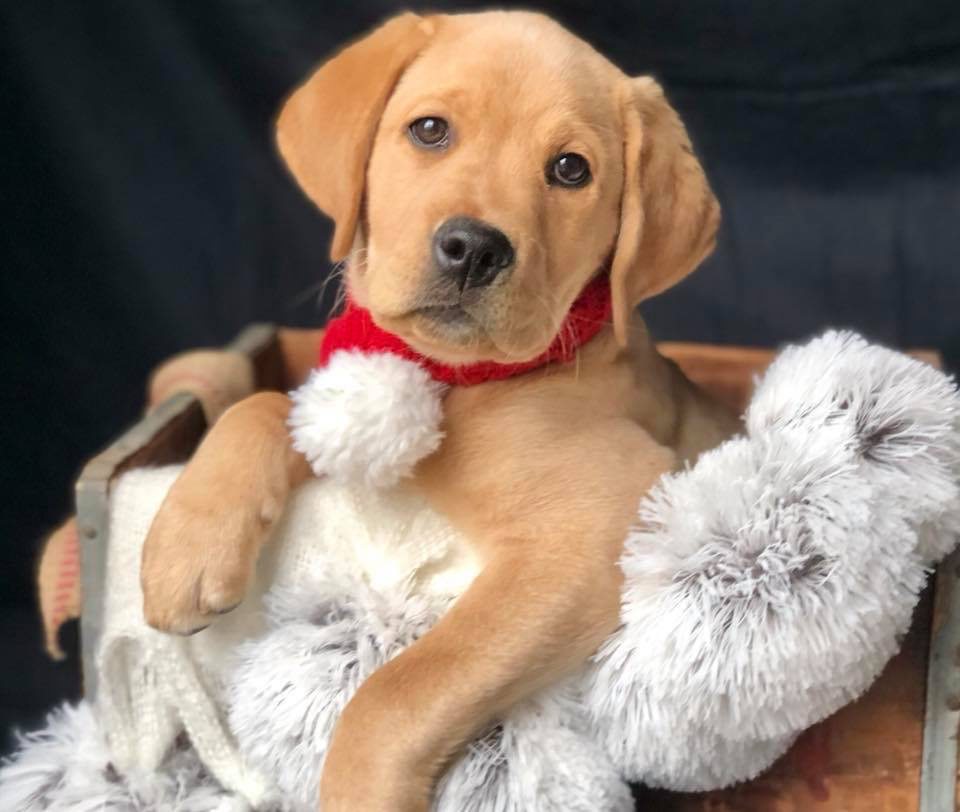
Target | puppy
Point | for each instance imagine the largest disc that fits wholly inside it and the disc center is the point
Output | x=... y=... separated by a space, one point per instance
x=557 y=167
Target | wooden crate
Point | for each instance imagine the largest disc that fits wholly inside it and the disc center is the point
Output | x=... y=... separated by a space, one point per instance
x=894 y=750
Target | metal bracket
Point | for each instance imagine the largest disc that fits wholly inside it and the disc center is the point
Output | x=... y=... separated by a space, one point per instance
x=938 y=775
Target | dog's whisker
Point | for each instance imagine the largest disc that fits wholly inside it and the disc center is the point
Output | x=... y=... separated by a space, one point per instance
x=336 y=274
x=357 y=258
x=567 y=332
x=339 y=300
x=307 y=293
x=315 y=291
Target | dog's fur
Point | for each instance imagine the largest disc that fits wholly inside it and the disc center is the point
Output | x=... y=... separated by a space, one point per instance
x=543 y=471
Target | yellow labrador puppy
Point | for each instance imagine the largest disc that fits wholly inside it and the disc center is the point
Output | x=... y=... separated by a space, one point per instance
x=554 y=167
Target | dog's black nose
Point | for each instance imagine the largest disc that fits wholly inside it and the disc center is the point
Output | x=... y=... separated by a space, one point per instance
x=471 y=252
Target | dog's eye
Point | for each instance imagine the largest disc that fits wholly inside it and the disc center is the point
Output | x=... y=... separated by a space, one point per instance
x=569 y=169
x=429 y=132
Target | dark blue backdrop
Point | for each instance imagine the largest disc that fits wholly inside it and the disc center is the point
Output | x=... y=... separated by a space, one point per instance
x=144 y=210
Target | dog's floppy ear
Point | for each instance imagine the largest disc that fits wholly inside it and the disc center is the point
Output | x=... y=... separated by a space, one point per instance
x=668 y=215
x=326 y=128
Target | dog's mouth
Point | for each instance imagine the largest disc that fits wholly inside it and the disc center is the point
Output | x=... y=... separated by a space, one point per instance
x=450 y=324
x=444 y=314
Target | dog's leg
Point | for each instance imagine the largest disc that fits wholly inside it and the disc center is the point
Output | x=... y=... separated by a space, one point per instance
x=200 y=552
x=547 y=597
x=513 y=630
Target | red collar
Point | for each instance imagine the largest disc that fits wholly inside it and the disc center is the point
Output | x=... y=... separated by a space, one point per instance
x=355 y=329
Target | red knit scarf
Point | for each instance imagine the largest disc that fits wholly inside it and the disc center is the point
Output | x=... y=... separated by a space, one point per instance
x=354 y=329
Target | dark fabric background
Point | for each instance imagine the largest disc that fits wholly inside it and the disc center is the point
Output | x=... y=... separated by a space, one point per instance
x=144 y=210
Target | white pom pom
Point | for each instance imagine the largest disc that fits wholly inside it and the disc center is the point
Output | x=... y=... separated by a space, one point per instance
x=367 y=418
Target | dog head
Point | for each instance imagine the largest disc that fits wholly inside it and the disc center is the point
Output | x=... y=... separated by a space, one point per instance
x=482 y=168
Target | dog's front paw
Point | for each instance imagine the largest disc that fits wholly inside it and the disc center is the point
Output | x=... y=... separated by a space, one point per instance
x=199 y=556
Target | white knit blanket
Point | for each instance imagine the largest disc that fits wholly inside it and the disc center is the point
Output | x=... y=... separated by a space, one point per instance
x=153 y=686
